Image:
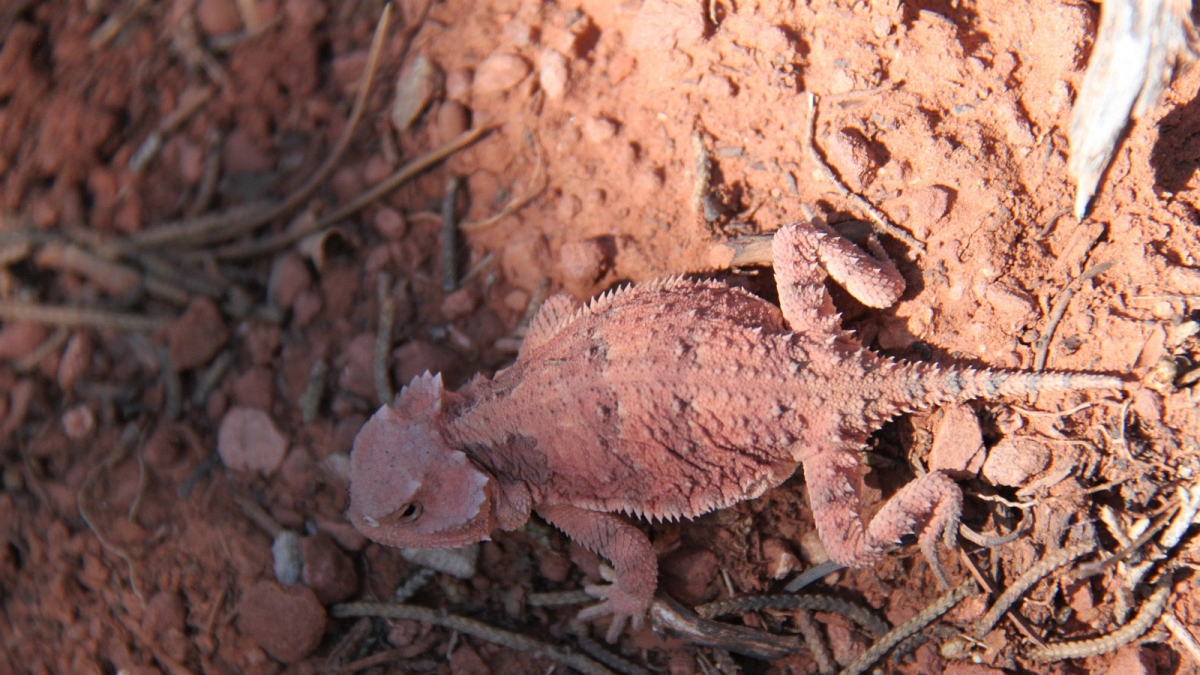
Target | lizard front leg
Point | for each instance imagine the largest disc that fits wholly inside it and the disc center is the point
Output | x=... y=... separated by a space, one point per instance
x=626 y=548
x=929 y=506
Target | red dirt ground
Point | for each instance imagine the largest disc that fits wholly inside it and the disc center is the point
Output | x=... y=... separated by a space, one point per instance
x=130 y=546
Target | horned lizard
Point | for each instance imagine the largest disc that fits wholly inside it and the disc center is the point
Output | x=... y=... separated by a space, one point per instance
x=667 y=400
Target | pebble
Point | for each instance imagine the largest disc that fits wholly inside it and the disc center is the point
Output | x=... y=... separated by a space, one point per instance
x=218 y=17
x=390 y=223
x=465 y=661
x=1014 y=460
x=19 y=338
x=79 y=422
x=1131 y=660
x=458 y=304
x=851 y=155
x=781 y=561
x=242 y=154
x=498 y=73
x=287 y=622
x=688 y=572
x=599 y=129
x=342 y=532
x=75 y=360
x=289 y=276
x=567 y=208
x=418 y=83
x=249 y=441
x=306 y=307
x=458 y=85
x=286 y=557
x=582 y=262
x=255 y=388
x=957 y=442
x=196 y=336
x=358 y=374
x=525 y=260
x=452 y=120
x=327 y=569
x=553 y=73
x=376 y=170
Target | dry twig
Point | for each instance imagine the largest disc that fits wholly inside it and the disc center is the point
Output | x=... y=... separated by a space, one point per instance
x=909 y=628
x=1082 y=649
x=383 y=338
x=1060 y=308
x=819 y=603
x=79 y=317
x=1046 y=565
x=474 y=628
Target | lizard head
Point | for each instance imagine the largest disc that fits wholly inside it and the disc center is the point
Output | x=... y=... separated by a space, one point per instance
x=408 y=486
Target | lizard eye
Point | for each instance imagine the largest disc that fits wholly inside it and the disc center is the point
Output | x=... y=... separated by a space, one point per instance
x=411 y=512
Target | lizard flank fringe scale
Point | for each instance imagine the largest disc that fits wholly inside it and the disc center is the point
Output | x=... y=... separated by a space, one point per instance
x=667 y=400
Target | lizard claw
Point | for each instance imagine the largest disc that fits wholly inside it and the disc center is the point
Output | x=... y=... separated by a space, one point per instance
x=625 y=608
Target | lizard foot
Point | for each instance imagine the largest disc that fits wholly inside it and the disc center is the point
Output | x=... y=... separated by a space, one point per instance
x=625 y=606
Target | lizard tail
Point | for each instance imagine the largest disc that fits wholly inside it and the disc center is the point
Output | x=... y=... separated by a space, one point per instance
x=927 y=385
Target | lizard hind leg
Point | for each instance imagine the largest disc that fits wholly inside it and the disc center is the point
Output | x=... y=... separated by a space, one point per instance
x=929 y=506
x=803 y=253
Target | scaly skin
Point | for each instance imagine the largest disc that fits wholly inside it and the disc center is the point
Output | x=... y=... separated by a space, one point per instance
x=669 y=400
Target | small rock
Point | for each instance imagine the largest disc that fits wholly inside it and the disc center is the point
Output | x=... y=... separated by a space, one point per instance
x=1131 y=660
x=452 y=120
x=241 y=153
x=347 y=183
x=289 y=276
x=390 y=223
x=458 y=304
x=1014 y=460
x=1148 y=406
x=957 y=442
x=465 y=661
x=327 y=569
x=517 y=300
x=286 y=556
x=255 y=388
x=552 y=74
x=19 y=338
x=196 y=336
x=929 y=204
x=305 y=14
x=968 y=668
x=567 y=208
x=619 y=68
x=218 y=17
x=688 y=572
x=813 y=549
x=498 y=73
x=79 y=422
x=418 y=83
x=554 y=566
x=75 y=360
x=599 y=129
x=307 y=306
x=851 y=154
x=525 y=260
x=582 y=262
x=458 y=85
x=348 y=68
x=781 y=561
x=358 y=373
x=249 y=441
x=287 y=622
x=844 y=643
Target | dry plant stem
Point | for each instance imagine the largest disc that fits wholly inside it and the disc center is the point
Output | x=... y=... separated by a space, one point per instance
x=150 y=147
x=371 y=661
x=558 y=598
x=669 y=616
x=987 y=541
x=909 y=628
x=275 y=242
x=48 y=346
x=79 y=317
x=415 y=583
x=515 y=204
x=310 y=402
x=212 y=376
x=172 y=386
x=817 y=603
x=383 y=338
x=257 y=515
x=811 y=575
x=231 y=223
x=881 y=221
x=702 y=185
x=85 y=510
x=1046 y=565
x=815 y=642
x=474 y=628
x=348 y=644
x=597 y=651
x=1183 y=635
x=991 y=590
x=450 y=236
x=1092 y=569
x=1146 y=616
x=113 y=24
x=1060 y=308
